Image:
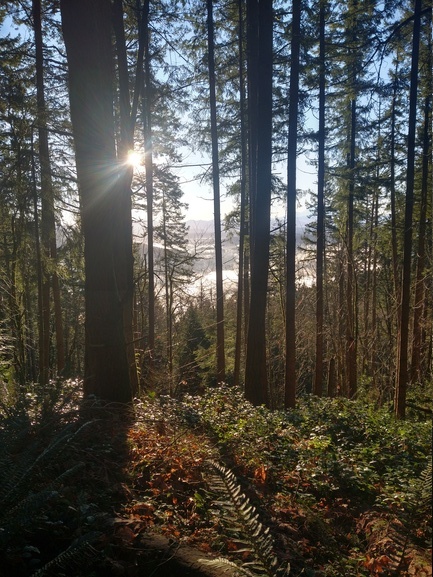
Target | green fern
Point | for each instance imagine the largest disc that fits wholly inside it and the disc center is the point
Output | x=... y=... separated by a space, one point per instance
x=24 y=512
x=420 y=494
x=17 y=449
x=418 y=511
x=78 y=555
x=34 y=469
x=256 y=533
x=21 y=479
x=23 y=515
x=426 y=484
x=223 y=563
x=71 y=472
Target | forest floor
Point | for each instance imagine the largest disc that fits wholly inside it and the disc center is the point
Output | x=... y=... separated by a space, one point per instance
x=209 y=484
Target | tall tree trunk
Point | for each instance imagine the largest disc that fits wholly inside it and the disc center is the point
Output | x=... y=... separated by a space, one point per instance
x=39 y=273
x=395 y=313
x=341 y=380
x=126 y=143
x=351 y=364
x=242 y=223
x=48 y=226
x=251 y=145
x=290 y=382
x=246 y=276
x=87 y=34
x=216 y=196
x=168 y=300
x=370 y=293
x=252 y=21
x=148 y=161
x=374 y=324
x=320 y=248
x=394 y=243
x=260 y=99
x=403 y=340
x=419 y=303
x=58 y=315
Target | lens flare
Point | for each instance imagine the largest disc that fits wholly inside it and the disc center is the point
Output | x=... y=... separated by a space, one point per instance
x=133 y=158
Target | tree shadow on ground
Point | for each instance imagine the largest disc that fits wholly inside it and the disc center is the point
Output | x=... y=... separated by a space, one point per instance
x=62 y=477
x=119 y=549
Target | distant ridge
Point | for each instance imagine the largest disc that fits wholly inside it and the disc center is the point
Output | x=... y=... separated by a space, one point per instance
x=206 y=228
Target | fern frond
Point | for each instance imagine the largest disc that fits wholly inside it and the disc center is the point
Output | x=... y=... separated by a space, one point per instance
x=426 y=484
x=58 y=481
x=257 y=534
x=22 y=514
x=223 y=563
x=66 y=436
x=21 y=479
x=15 y=468
x=77 y=555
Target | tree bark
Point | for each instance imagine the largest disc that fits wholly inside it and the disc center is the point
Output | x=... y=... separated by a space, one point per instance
x=168 y=301
x=39 y=273
x=48 y=226
x=419 y=303
x=351 y=345
x=148 y=162
x=394 y=243
x=220 y=355
x=242 y=220
x=126 y=143
x=290 y=382
x=403 y=341
x=87 y=34
x=252 y=22
x=259 y=66
x=320 y=248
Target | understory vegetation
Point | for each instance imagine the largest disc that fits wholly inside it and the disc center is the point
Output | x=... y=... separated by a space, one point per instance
x=331 y=488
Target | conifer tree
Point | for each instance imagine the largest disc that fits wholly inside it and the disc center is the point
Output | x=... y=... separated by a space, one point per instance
x=48 y=227
x=320 y=247
x=290 y=381
x=259 y=42
x=220 y=353
x=403 y=341
x=87 y=35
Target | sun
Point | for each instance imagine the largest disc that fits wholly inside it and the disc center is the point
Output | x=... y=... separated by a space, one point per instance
x=133 y=159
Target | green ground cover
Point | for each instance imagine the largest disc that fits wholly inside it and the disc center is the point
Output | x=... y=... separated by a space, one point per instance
x=333 y=488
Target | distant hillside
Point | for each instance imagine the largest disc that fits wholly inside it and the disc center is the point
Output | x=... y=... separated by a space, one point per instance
x=201 y=241
x=201 y=235
x=201 y=238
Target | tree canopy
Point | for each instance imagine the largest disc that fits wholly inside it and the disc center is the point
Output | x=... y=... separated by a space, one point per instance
x=100 y=270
